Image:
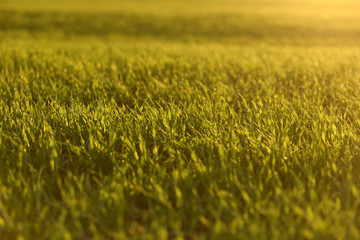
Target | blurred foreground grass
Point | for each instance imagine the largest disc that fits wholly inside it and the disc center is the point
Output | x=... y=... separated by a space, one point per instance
x=179 y=120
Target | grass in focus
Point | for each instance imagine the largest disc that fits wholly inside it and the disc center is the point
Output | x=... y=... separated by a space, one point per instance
x=158 y=120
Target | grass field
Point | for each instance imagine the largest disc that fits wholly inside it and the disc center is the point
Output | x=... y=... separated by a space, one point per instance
x=180 y=120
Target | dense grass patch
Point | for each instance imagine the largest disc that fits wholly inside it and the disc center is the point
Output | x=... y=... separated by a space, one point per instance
x=178 y=126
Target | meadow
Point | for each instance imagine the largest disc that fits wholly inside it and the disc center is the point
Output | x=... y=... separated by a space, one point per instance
x=180 y=120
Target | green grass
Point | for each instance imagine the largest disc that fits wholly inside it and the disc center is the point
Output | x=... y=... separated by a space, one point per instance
x=156 y=120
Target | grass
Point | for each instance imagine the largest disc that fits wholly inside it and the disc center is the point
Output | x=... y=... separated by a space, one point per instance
x=155 y=120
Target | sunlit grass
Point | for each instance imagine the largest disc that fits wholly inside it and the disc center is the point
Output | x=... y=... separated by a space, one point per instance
x=143 y=123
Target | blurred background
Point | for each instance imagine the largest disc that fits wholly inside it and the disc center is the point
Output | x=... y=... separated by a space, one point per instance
x=236 y=21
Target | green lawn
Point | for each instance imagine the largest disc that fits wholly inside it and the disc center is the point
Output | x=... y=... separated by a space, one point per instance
x=180 y=120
